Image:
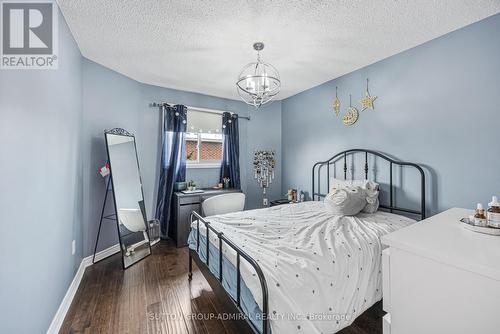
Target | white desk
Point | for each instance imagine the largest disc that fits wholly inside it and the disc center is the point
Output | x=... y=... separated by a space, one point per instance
x=441 y=278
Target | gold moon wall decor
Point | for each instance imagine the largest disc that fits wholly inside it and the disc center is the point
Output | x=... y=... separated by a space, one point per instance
x=352 y=114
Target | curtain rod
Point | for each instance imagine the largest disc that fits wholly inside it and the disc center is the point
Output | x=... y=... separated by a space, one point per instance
x=211 y=111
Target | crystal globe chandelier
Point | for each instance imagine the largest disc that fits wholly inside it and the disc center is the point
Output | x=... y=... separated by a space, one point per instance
x=258 y=82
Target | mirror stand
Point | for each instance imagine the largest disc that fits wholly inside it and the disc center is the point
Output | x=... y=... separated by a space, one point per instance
x=125 y=184
x=107 y=217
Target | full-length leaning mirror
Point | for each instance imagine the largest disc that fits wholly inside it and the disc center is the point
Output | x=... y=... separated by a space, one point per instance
x=128 y=196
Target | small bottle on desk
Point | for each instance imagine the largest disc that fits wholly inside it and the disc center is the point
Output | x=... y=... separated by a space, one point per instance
x=494 y=213
x=480 y=217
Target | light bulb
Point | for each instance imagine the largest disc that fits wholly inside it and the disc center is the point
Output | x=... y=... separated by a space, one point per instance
x=250 y=84
x=266 y=83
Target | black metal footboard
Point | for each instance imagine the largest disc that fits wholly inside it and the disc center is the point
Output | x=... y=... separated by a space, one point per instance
x=239 y=254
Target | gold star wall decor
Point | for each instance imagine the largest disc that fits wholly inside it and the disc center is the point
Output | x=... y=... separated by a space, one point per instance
x=367 y=100
x=351 y=116
x=336 y=103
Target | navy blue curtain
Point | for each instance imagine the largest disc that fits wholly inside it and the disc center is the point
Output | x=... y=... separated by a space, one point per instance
x=231 y=151
x=173 y=163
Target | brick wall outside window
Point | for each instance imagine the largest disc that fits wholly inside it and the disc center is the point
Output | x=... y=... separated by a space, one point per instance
x=191 y=150
x=209 y=150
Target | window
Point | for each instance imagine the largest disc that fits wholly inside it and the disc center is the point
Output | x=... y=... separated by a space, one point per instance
x=203 y=139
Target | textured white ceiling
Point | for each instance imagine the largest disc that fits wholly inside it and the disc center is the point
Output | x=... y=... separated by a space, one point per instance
x=201 y=46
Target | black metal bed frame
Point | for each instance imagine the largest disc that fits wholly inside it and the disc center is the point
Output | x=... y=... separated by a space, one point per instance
x=242 y=254
x=391 y=207
x=239 y=253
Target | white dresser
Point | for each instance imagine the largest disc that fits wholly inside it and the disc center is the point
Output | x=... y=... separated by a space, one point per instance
x=439 y=278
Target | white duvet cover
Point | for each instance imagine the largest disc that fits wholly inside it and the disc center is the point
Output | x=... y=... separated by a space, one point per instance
x=322 y=270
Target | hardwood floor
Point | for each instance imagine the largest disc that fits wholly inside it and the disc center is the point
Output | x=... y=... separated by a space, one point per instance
x=155 y=296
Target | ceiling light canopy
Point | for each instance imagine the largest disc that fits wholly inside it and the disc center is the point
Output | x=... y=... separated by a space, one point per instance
x=258 y=82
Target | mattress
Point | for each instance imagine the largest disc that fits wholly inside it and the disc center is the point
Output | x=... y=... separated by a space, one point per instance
x=322 y=270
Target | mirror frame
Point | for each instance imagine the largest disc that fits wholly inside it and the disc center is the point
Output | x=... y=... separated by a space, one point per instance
x=123 y=132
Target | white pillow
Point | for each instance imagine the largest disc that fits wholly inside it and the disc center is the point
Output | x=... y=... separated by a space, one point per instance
x=372 y=204
x=371 y=191
x=348 y=201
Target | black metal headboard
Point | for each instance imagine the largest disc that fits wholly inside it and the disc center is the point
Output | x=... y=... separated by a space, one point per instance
x=391 y=207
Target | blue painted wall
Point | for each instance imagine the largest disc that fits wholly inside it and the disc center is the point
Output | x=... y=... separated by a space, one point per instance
x=109 y=100
x=114 y=100
x=437 y=105
x=264 y=132
x=41 y=188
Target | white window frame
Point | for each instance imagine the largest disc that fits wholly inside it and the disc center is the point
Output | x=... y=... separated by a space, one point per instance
x=202 y=163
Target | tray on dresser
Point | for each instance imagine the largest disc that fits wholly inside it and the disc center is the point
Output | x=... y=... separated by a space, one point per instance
x=486 y=230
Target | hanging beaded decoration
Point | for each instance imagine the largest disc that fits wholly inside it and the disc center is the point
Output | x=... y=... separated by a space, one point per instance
x=263 y=166
x=336 y=103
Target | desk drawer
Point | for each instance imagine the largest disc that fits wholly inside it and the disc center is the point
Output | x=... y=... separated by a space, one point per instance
x=183 y=224
x=194 y=199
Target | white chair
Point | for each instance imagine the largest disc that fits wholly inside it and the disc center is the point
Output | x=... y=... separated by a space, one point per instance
x=221 y=204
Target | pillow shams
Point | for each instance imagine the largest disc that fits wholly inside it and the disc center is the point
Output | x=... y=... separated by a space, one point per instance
x=370 y=188
x=372 y=204
x=348 y=201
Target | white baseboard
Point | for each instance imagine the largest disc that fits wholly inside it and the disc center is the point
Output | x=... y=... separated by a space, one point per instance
x=58 y=319
x=103 y=254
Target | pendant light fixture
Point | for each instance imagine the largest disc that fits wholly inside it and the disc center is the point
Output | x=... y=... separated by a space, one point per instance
x=258 y=82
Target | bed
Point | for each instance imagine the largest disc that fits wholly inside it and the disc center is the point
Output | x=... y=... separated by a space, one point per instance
x=297 y=267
